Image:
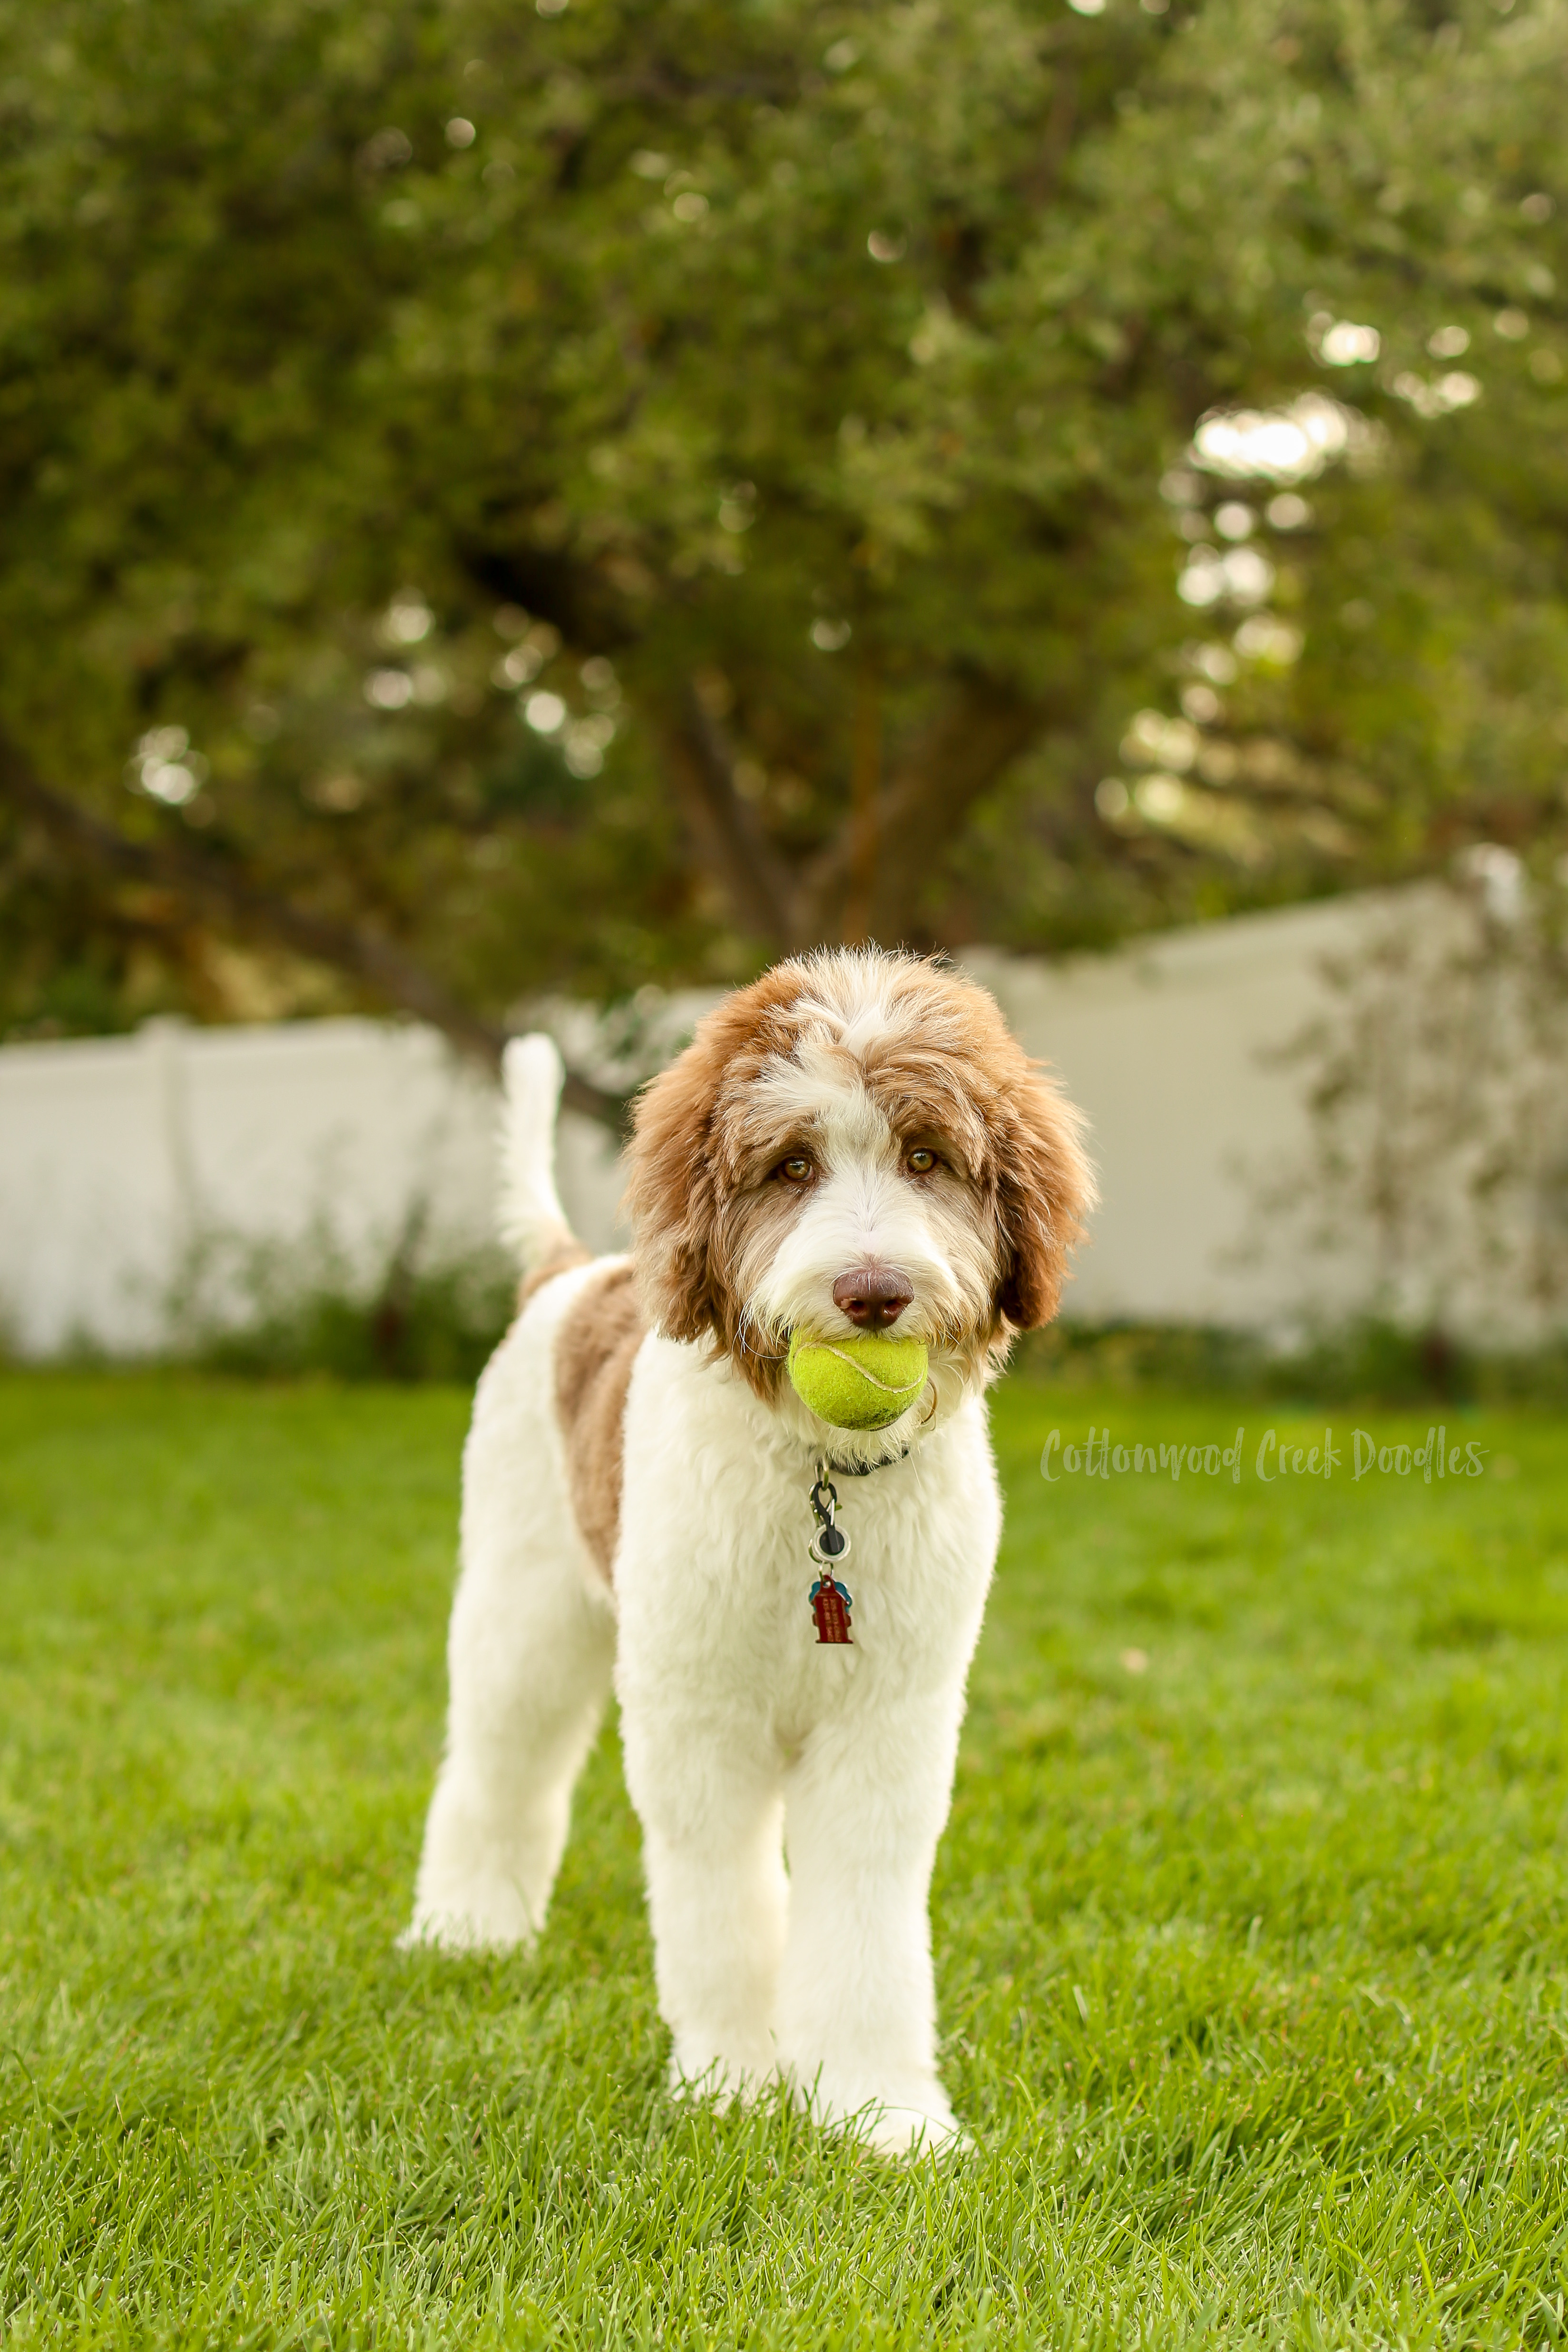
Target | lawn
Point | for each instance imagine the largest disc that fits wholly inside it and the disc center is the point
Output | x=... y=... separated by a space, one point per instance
x=1251 y=1920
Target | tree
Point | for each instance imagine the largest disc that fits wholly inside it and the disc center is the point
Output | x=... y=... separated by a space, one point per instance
x=577 y=495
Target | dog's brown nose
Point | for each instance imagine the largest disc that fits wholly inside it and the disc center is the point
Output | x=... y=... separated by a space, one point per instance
x=872 y=1297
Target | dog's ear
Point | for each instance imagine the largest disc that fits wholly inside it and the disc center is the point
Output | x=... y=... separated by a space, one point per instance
x=1045 y=1188
x=671 y=1197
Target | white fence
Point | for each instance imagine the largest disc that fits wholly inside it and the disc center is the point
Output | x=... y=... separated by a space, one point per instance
x=116 y=1154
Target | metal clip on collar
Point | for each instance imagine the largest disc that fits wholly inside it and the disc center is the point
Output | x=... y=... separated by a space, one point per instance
x=829 y=1546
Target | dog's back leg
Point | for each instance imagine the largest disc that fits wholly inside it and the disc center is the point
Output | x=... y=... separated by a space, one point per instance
x=530 y=1654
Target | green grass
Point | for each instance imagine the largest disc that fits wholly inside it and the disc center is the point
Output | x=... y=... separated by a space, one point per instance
x=1253 y=1959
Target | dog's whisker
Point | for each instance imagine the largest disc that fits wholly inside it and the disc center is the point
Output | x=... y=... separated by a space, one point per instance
x=748 y=1320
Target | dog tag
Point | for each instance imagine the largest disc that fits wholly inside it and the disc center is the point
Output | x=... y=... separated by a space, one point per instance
x=830 y=1607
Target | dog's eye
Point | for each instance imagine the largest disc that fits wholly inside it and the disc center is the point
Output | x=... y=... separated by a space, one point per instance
x=921 y=1160
x=795 y=1169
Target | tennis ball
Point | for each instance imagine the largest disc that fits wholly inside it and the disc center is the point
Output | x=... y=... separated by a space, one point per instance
x=860 y=1383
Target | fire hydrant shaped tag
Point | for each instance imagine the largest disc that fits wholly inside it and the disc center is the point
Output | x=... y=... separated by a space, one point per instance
x=830 y=1606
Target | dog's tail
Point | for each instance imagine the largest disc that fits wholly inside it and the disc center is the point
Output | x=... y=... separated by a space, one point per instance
x=529 y=1212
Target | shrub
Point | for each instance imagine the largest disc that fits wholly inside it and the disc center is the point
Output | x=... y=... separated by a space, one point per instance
x=274 y=1308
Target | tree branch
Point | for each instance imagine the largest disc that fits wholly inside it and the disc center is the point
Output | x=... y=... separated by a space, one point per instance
x=220 y=889
x=961 y=754
x=724 y=829
x=865 y=782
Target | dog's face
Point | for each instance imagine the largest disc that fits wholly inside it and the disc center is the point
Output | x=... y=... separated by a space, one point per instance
x=855 y=1143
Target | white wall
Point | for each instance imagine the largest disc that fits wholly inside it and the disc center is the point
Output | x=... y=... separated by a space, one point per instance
x=1171 y=1046
x=115 y=1152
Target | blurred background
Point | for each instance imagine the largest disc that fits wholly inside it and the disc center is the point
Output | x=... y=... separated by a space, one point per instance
x=519 y=515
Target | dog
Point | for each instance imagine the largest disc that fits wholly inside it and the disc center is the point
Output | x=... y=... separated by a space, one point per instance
x=854 y=1142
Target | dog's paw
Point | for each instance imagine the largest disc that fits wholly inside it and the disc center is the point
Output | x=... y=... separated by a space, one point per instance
x=430 y=1931
x=920 y=2122
x=733 y=2078
x=911 y=2131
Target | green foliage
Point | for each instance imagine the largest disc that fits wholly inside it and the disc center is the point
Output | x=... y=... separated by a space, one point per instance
x=276 y=1308
x=784 y=390
x=1250 y=1926
x=1364 y=1360
x=1131 y=1357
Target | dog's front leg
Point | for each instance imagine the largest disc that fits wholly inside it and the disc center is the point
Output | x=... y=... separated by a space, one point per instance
x=857 y=2004
x=708 y=1796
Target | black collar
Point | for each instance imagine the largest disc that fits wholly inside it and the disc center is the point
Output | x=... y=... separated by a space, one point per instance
x=848 y=1469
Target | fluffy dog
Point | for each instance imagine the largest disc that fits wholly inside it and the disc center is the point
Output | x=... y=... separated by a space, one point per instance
x=853 y=1143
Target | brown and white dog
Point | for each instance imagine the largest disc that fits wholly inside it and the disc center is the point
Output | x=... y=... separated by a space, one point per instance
x=853 y=1142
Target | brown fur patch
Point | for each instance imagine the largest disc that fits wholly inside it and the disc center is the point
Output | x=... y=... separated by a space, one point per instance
x=559 y=1258
x=682 y=1178
x=594 y=1351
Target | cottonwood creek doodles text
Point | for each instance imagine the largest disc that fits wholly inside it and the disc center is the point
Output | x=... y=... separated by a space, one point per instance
x=1099 y=1456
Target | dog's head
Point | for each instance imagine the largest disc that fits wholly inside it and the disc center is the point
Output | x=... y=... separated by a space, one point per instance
x=854 y=1142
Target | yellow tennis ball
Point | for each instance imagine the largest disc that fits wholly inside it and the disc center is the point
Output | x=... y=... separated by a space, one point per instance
x=860 y=1383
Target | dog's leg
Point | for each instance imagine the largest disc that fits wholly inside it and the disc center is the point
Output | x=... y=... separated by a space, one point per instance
x=528 y=1688
x=530 y=1655
x=713 y=1848
x=857 y=2003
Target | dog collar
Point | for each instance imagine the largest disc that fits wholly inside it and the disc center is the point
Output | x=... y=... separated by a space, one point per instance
x=827 y=1468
